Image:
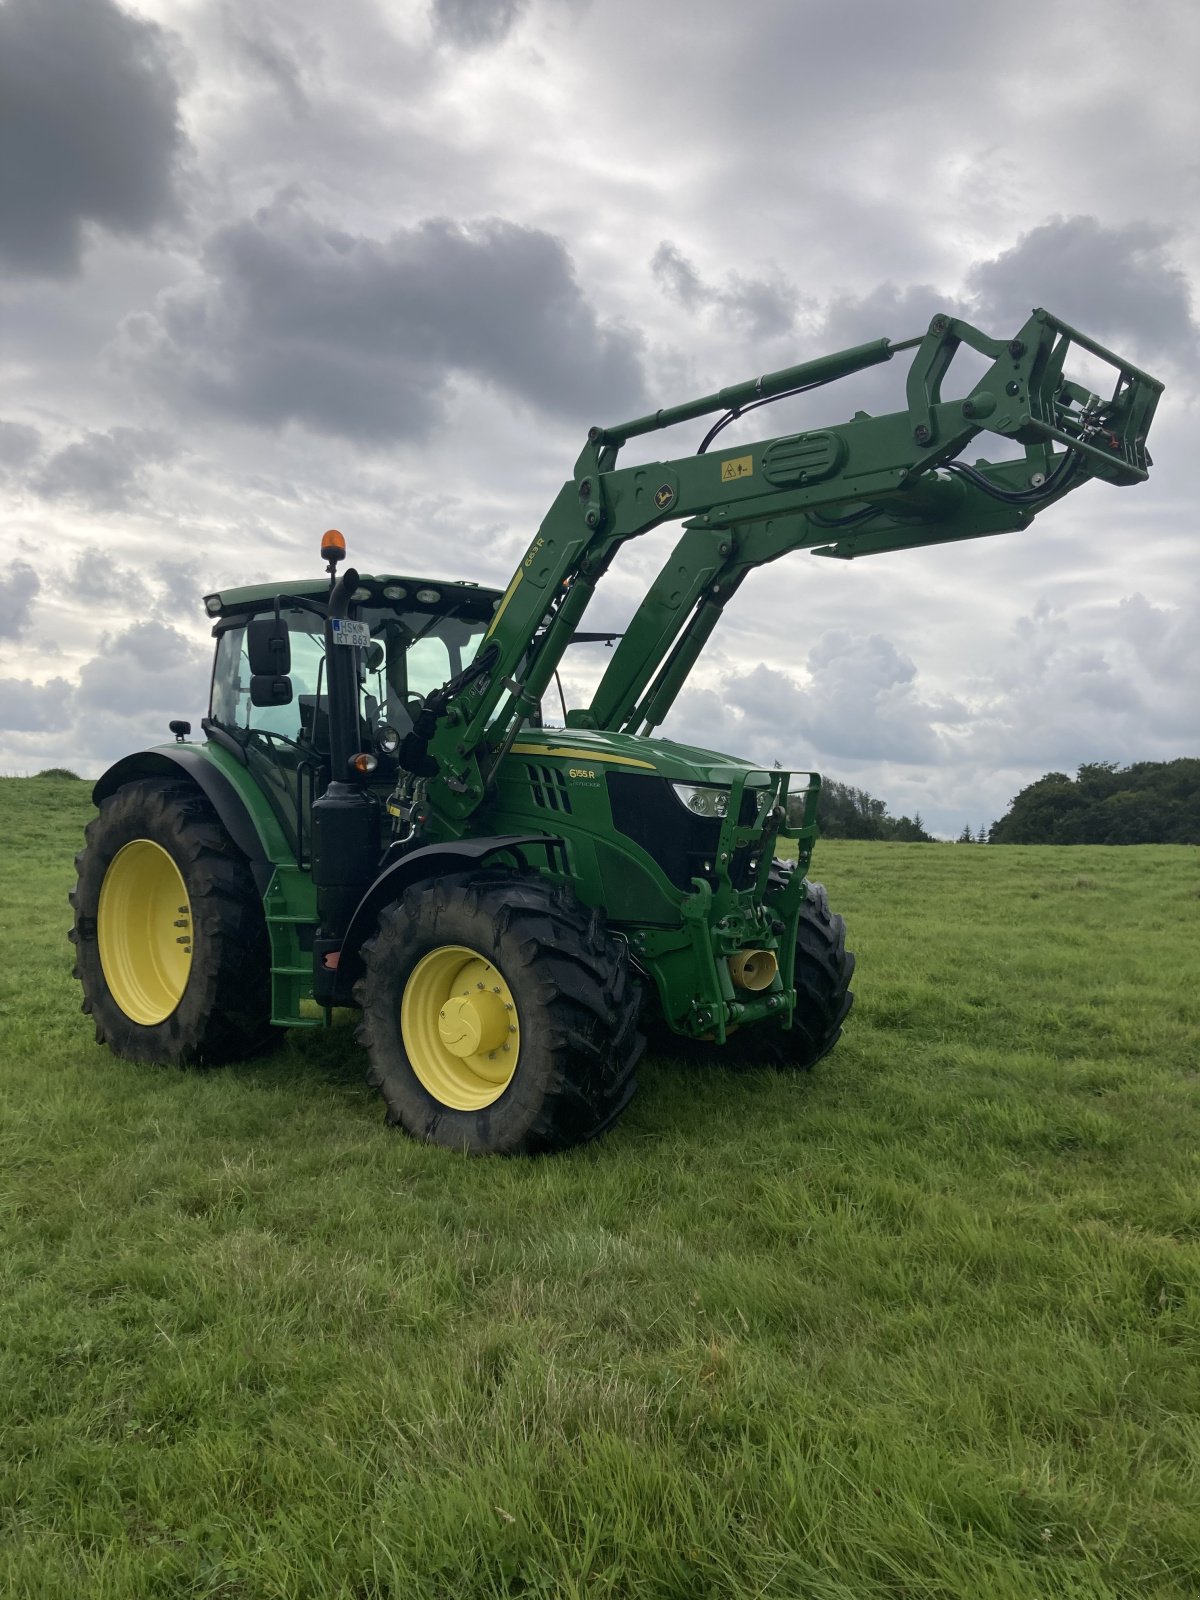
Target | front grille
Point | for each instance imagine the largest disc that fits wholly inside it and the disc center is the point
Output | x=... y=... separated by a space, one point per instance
x=684 y=845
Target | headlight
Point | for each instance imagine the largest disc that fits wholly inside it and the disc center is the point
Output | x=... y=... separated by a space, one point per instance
x=387 y=739
x=703 y=800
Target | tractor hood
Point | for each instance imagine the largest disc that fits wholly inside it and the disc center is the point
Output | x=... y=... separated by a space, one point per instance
x=626 y=752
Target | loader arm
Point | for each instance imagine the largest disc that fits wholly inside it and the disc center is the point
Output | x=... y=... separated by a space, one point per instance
x=866 y=486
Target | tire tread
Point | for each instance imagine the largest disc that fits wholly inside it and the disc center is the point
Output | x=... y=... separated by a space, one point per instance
x=587 y=1044
x=225 y=1011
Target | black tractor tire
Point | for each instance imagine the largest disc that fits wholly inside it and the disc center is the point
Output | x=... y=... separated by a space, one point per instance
x=823 y=971
x=572 y=993
x=223 y=1012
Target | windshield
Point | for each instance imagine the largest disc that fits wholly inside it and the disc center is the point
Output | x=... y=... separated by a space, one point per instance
x=411 y=653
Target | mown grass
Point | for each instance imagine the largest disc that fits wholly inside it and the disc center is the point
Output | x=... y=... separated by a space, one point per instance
x=923 y=1323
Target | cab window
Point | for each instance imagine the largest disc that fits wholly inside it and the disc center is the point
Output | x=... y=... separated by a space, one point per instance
x=231 y=705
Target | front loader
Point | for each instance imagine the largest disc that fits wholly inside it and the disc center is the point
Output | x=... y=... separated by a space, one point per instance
x=377 y=816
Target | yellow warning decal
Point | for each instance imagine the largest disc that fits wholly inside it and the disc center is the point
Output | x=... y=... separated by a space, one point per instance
x=503 y=606
x=737 y=467
x=579 y=755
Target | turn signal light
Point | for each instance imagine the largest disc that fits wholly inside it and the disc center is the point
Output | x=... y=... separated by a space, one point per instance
x=333 y=546
x=363 y=763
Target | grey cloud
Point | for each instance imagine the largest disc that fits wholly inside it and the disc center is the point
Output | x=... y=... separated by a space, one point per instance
x=124 y=697
x=764 y=308
x=361 y=337
x=471 y=24
x=265 y=52
x=28 y=707
x=19 y=443
x=18 y=590
x=869 y=52
x=1166 y=643
x=98 y=580
x=1086 y=683
x=1075 y=683
x=677 y=277
x=862 y=702
x=179 y=588
x=1118 y=285
x=162 y=591
x=103 y=470
x=887 y=312
x=89 y=129
x=147 y=668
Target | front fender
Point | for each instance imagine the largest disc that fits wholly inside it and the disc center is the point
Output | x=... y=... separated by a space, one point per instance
x=430 y=861
x=190 y=762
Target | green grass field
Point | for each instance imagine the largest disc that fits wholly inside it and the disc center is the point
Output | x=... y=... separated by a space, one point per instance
x=925 y=1322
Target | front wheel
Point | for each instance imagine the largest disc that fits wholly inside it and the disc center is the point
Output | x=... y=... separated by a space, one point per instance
x=823 y=971
x=821 y=976
x=499 y=1015
x=170 y=940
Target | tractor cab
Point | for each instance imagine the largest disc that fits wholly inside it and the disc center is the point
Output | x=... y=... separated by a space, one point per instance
x=421 y=633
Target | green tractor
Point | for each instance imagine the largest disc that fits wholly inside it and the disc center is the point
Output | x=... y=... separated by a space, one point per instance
x=377 y=816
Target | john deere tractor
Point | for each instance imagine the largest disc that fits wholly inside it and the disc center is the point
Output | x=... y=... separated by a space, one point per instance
x=377 y=816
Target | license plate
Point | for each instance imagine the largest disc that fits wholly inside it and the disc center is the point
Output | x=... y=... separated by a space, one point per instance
x=357 y=634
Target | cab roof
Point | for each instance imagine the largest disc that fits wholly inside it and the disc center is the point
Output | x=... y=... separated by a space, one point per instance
x=420 y=594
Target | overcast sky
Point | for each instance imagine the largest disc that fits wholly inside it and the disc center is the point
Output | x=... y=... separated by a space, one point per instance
x=271 y=266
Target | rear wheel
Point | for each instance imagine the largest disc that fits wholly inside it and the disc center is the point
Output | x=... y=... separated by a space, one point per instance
x=499 y=1015
x=170 y=940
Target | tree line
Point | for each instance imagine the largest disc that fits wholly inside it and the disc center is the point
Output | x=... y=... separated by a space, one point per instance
x=1148 y=802
x=844 y=812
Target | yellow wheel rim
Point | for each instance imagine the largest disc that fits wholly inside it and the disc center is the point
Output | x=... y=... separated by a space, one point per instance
x=459 y=1023
x=144 y=930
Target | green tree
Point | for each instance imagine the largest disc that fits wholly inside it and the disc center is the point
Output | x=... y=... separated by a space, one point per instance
x=845 y=812
x=1149 y=802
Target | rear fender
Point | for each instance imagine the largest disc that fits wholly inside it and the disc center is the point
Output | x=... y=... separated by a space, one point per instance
x=189 y=762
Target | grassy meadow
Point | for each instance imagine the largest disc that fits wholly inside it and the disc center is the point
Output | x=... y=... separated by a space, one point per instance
x=922 y=1323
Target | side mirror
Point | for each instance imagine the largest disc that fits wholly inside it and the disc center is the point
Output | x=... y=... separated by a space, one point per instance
x=270 y=650
x=269 y=689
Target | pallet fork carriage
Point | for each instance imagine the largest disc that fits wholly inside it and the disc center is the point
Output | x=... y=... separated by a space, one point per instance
x=377 y=816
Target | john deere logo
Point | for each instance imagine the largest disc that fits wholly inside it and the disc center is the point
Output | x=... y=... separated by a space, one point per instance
x=663 y=496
